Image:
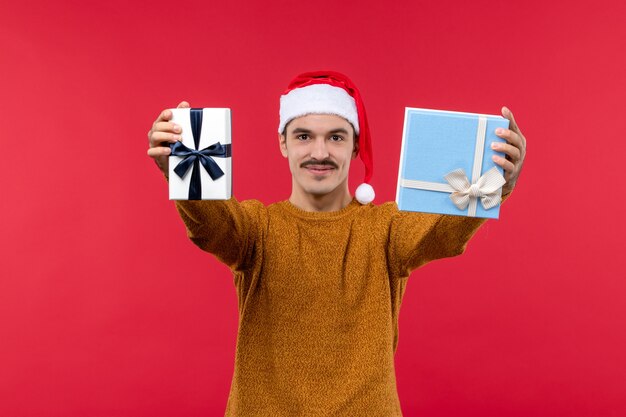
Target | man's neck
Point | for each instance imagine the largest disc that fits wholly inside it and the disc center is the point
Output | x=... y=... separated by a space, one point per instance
x=334 y=201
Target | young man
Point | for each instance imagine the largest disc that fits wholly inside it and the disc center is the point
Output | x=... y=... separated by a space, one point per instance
x=320 y=277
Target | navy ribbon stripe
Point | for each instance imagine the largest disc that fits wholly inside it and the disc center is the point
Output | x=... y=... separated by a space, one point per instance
x=192 y=158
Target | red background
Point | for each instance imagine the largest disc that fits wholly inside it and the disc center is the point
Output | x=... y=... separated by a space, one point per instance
x=107 y=310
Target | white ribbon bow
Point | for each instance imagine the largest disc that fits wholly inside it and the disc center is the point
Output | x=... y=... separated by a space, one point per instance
x=487 y=188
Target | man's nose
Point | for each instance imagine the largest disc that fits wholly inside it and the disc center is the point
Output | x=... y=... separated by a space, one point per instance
x=319 y=149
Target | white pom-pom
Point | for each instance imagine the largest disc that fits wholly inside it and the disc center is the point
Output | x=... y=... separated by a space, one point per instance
x=365 y=193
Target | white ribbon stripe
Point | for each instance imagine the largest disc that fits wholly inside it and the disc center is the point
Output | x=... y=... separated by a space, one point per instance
x=487 y=187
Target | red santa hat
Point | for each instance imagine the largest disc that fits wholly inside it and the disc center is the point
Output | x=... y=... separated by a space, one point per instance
x=329 y=92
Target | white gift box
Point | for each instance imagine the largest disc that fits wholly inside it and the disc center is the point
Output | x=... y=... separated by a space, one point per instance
x=204 y=162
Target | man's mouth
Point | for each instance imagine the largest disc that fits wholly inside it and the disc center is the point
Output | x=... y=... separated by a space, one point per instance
x=319 y=168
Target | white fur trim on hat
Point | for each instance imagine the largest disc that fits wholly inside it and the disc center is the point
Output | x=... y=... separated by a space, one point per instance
x=318 y=99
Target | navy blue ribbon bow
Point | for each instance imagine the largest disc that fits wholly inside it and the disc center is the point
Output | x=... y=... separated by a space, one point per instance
x=194 y=157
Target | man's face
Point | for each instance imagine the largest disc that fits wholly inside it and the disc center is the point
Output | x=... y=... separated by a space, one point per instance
x=319 y=148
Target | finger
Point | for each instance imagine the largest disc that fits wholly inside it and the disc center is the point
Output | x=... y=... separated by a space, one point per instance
x=166 y=127
x=183 y=105
x=508 y=114
x=507 y=165
x=159 y=151
x=164 y=116
x=511 y=137
x=163 y=138
x=513 y=152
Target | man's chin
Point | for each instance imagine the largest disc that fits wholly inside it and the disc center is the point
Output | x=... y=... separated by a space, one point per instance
x=320 y=187
x=319 y=191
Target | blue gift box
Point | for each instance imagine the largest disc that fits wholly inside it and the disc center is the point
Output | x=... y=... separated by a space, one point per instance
x=436 y=145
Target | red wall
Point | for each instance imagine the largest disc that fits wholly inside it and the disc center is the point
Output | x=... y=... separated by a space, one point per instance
x=107 y=310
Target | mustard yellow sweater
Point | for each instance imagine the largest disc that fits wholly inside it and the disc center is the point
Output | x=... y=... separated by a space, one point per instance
x=319 y=296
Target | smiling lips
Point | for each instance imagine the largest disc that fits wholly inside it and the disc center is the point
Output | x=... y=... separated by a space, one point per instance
x=319 y=168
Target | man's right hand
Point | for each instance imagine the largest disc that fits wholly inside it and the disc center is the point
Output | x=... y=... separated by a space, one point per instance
x=163 y=133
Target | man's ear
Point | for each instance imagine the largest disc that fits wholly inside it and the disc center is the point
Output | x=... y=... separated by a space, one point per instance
x=355 y=150
x=282 y=142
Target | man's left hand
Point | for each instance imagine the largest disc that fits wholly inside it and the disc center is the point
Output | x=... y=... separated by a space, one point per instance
x=514 y=150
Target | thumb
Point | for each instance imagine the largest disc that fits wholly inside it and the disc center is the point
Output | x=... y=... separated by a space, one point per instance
x=508 y=114
x=183 y=105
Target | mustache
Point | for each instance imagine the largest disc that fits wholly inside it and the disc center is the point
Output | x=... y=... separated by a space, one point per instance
x=326 y=162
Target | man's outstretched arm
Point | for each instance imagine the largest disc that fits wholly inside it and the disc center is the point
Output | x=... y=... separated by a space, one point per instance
x=226 y=228
x=418 y=238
